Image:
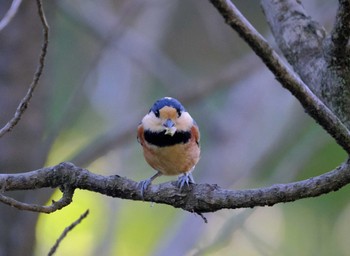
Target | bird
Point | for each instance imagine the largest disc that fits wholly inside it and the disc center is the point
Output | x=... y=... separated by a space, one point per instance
x=169 y=137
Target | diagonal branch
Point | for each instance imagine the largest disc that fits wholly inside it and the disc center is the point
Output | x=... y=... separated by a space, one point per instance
x=197 y=198
x=299 y=37
x=65 y=232
x=10 y=14
x=25 y=101
x=288 y=79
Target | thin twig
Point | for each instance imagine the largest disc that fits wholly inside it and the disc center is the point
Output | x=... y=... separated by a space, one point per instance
x=202 y=216
x=56 y=205
x=65 y=232
x=288 y=79
x=10 y=14
x=25 y=101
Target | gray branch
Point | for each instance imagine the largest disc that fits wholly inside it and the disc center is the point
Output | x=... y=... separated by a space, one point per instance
x=23 y=105
x=321 y=60
x=298 y=36
x=198 y=198
x=288 y=79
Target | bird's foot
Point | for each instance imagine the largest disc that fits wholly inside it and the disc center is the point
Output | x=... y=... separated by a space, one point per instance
x=143 y=185
x=186 y=178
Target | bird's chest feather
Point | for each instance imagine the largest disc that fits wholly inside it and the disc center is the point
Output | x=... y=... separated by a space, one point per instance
x=174 y=159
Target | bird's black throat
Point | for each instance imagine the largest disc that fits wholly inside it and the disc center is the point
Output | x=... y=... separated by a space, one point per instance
x=161 y=139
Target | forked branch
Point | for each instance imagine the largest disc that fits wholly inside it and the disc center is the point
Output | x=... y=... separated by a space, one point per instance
x=26 y=99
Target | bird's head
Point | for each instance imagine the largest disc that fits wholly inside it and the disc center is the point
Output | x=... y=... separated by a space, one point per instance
x=167 y=115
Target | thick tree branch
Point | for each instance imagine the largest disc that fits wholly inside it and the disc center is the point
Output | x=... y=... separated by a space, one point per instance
x=25 y=101
x=197 y=198
x=298 y=36
x=288 y=79
x=323 y=62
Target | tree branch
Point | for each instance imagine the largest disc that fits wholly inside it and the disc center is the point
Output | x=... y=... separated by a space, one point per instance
x=288 y=79
x=298 y=36
x=25 y=101
x=65 y=232
x=10 y=14
x=56 y=205
x=323 y=62
x=198 y=198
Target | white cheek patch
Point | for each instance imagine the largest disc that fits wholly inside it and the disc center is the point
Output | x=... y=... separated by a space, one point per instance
x=155 y=124
x=184 y=122
x=151 y=122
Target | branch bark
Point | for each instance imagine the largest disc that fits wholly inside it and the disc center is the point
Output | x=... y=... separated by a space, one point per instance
x=321 y=60
x=198 y=198
x=288 y=79
x=26 y=99
x=298 y=36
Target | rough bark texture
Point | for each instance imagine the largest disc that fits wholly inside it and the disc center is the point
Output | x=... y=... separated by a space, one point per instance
x=20 y=150
x=197 y=198
x=288 y=79
x=320 y=59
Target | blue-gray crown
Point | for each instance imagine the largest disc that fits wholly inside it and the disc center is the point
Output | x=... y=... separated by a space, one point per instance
x=167 y=101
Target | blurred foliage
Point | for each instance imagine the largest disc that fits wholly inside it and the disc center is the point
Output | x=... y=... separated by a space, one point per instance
x=110 y=60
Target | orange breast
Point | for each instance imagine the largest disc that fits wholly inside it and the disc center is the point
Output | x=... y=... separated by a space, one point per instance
x=172 y=160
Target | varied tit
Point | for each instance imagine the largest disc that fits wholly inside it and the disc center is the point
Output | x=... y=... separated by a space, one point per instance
x=170 y=141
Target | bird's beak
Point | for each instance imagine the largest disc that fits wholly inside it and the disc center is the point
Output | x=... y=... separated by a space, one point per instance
x=169 y=127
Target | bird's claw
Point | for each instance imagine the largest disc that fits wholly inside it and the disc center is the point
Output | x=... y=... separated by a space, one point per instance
x=186 y=178
x=143 y=185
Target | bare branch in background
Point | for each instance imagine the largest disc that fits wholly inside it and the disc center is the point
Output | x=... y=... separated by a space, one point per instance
x=10 y=14
x=66 y=230
x=25 y=101
x=288 y=79
x=321 y=60
x=298 y=36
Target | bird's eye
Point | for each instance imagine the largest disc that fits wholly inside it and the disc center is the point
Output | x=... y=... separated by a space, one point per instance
x=156 y=112
x=178 y=112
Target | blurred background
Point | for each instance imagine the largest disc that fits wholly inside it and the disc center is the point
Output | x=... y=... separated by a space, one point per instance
x=107 y=62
